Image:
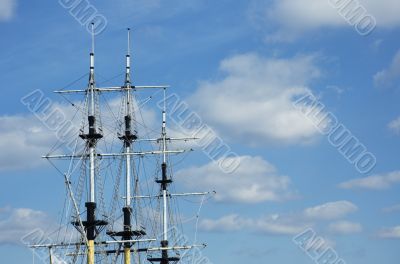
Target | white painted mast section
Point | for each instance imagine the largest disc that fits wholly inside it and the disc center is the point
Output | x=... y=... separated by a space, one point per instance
x=92 y=173
x=92 y=113
x=164 y=133
x=165 y=216
x=128 y=177
x=91 y=80
x=164 y=146
x=128 y=103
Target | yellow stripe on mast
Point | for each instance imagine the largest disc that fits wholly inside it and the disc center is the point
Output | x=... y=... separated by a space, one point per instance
x=127 y=255
x=90 y=253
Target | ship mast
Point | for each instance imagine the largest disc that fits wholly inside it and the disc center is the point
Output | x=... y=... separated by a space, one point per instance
x=127 y=143
x=128 y=137
x=164 y=182
x=164 y=185
x=91 y=139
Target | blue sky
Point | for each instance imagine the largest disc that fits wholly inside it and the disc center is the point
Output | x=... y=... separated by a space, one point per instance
x=239 y=65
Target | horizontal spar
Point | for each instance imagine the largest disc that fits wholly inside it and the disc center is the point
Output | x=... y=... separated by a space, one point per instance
x=176 y=247
x=97 y=243
x=158 y=152
x=172 y=195
x=115 y=89
x=167 y=139
x=141 y=250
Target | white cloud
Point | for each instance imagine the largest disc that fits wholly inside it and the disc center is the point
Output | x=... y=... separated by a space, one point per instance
x=26 y=137
x=273 y=225
x=330 y=211
x=54 y=128
x=226 y=223
x=394 y=125
x=374 y=182
x=255 y=180
x=345 y=227
x=289 y=224
x=297 y=16
x=280 y=225
x=389 y=76
x=16 y=223
x=23 y=139
x=391 y=209
x=393 y=232
x=7 y=9
x=253 y=103
x=26 y=226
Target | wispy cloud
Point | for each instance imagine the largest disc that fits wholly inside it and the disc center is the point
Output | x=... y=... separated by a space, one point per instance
x=289 y=224
x=226 y=223
x=394 y=125
x=345 y=227
x=7 y=9
x=392 y=232
x=273 y=224
x=26 y=137
x=391 y=209
x=22 y=138
x=374 y=182
x=389 y=76
x=254 y=181
x=15 y=223
x=331 y=210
